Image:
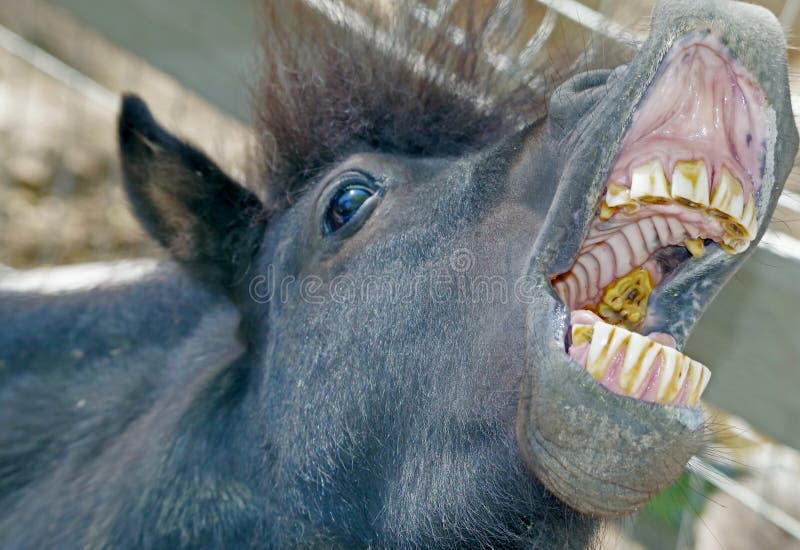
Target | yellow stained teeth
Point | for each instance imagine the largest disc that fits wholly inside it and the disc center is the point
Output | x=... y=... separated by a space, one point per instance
x=749 y=219
x=698 y=378
x=672 y=208
x=606 y=211
x=734 y=228
x=679 y=379
x=696 y=247
x=625 y=300
x=690 y=183
x=606 y=343
x=639 y=357
x=688 y=187
x=581 y=334
x=649 y=184
x=728 y=195
x=617 y=195
x=732 y=245
x=674 y=368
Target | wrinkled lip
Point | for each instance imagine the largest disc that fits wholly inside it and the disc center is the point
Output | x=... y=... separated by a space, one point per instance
x=686 y=177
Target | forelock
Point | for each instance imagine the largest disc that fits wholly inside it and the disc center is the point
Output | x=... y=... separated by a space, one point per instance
x=379 y=80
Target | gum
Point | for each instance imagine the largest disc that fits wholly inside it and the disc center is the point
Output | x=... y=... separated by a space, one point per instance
x=704 y=105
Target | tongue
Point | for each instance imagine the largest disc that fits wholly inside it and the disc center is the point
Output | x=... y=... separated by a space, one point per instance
x=645 y=368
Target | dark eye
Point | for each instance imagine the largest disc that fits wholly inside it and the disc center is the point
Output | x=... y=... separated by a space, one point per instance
x=348 y=199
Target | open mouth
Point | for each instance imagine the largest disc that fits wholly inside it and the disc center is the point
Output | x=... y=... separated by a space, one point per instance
x=687 y=176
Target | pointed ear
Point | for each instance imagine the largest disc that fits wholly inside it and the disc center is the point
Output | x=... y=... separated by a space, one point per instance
x=205 y=219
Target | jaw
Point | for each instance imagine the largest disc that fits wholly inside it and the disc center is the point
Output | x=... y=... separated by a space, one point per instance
x=601 y=451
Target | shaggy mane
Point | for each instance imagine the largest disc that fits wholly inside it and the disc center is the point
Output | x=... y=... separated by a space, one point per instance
x=327 y=90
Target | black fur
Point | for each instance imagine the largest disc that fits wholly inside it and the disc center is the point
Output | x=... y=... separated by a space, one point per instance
x=204 y=218
x=326 y=91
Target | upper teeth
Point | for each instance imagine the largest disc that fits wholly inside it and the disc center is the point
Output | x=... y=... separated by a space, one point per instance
x=648 y=182
x=689 y=188
x=728 y=195
x=690 y=182
x=678 y=380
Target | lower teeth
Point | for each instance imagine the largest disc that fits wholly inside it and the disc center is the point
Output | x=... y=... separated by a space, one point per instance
x=624 y=301
x=630 y=364
x=696 y=247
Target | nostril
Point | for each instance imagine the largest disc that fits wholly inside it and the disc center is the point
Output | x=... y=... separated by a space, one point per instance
x=575 y=97
x=587 y=80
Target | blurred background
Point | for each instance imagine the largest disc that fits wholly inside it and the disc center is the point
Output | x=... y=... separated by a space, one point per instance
x=64 y=63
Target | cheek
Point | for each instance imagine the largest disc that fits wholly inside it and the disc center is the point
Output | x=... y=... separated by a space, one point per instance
x=502 y=346
x=504 y=240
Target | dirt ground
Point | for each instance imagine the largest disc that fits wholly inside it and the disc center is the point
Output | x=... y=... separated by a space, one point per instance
x=61 y=201
x=60 y=195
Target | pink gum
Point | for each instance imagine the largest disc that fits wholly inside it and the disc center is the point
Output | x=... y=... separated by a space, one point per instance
x=705 y=106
